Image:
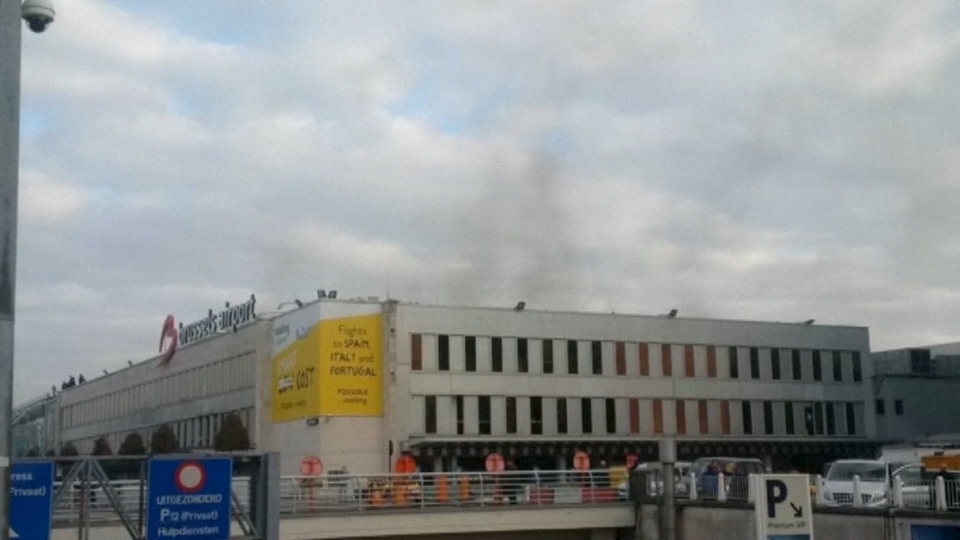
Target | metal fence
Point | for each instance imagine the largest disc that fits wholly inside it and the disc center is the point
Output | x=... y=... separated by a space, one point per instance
x=938 y=493
x=309 y=494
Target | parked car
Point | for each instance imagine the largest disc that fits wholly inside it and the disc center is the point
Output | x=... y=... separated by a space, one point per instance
x=876 y=483
x=736 y=472
x=651 y=471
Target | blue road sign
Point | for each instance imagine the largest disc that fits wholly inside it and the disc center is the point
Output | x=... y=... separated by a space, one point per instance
x=31 y=500
x=189 y=499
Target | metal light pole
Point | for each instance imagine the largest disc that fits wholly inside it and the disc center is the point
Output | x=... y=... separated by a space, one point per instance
x=9 y=169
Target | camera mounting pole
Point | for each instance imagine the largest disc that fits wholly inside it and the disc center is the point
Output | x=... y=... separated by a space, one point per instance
x=10 y=12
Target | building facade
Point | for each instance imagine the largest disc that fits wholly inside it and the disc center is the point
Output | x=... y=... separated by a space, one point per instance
x=358 y=383
x=915 y=394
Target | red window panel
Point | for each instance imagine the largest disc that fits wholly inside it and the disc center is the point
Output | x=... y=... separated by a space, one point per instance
x=725 y=417
x=657 y=416
x=711 y=362
x=634 y=415
x=702 y=413
x=681 y=417
x=644 y=360
x=621 y=358
x=688 y=369
x=667 y=361
x=416 y=354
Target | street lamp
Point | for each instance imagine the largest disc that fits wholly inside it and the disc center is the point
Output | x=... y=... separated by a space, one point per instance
x=38 y=14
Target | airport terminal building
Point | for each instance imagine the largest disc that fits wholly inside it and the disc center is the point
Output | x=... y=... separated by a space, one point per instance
x=358 y=382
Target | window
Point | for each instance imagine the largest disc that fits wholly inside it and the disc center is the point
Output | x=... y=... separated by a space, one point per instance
x=788 y=416
x=725 y=417
x=536 y=415
x=596 y=357
x=775 y=363
x=547 y=355
x=496 y=353
x=734 y=364
x=702 y=416
x=458 y=402
x=880 y=405
x=754 y=363
x=837 y=367
x=644 y=360
x=483 y=414
x=817 y=368
x=522 y=364
x=851 y=420
x=572 y=357
x=611 y=411
x=657 y=416
x=797 y=366
x=666 y=360
x=818 y=417
x=586 y=415
x=416 y=355
x=443 y=353
x=857 y=369
x=511 y=415
x=747 y=414
x=430 y=414
x=768 y=418
x=831 y=420
x=561 y=415
x=470 y=350
x=681 y=407
x=898 y=407
x=688 y=368
x=621 y=358
x=711 y=361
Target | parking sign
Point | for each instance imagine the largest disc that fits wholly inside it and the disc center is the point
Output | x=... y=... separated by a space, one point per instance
x=782 y=507
x=189 y=499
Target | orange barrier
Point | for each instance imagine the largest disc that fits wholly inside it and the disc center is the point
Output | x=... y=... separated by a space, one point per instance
x=464 y=488
x=441 y=489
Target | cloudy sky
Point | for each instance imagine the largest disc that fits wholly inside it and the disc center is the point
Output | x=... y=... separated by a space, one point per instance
x=750 y=160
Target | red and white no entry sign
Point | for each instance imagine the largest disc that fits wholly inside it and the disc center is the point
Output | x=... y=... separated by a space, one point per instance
x=581 y=461
x=494 y=463
x=190 y=477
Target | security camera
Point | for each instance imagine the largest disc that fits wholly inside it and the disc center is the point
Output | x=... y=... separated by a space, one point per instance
x=38 y=14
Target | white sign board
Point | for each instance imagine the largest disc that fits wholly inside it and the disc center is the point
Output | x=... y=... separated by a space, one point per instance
x=782 y=507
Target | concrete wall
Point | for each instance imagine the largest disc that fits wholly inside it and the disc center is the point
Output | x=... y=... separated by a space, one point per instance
x=930 y=407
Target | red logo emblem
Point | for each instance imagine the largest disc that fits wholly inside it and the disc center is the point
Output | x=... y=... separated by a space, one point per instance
x=190 y=477
x=168 y=337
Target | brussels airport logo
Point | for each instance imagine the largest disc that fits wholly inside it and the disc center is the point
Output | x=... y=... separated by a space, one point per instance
x=229 y=318
x=168 y=340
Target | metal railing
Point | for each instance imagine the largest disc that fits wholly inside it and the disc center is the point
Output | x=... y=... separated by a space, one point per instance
x=311 y=494
x=938 y=493
x=354 y=493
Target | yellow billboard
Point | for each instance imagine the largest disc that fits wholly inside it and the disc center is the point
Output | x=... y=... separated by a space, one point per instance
x=333 y=367
x=295 y=390
x=350 y=366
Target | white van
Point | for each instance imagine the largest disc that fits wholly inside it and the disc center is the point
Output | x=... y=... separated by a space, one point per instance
x=876 y=482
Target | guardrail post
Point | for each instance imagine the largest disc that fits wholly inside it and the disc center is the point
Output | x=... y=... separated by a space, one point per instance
x=692 y=487
x=820 y=500
x=536 y=479
x=721 y=488
x=898 y=491
x=481 y=491
x=857 y=494
x=941 y=494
